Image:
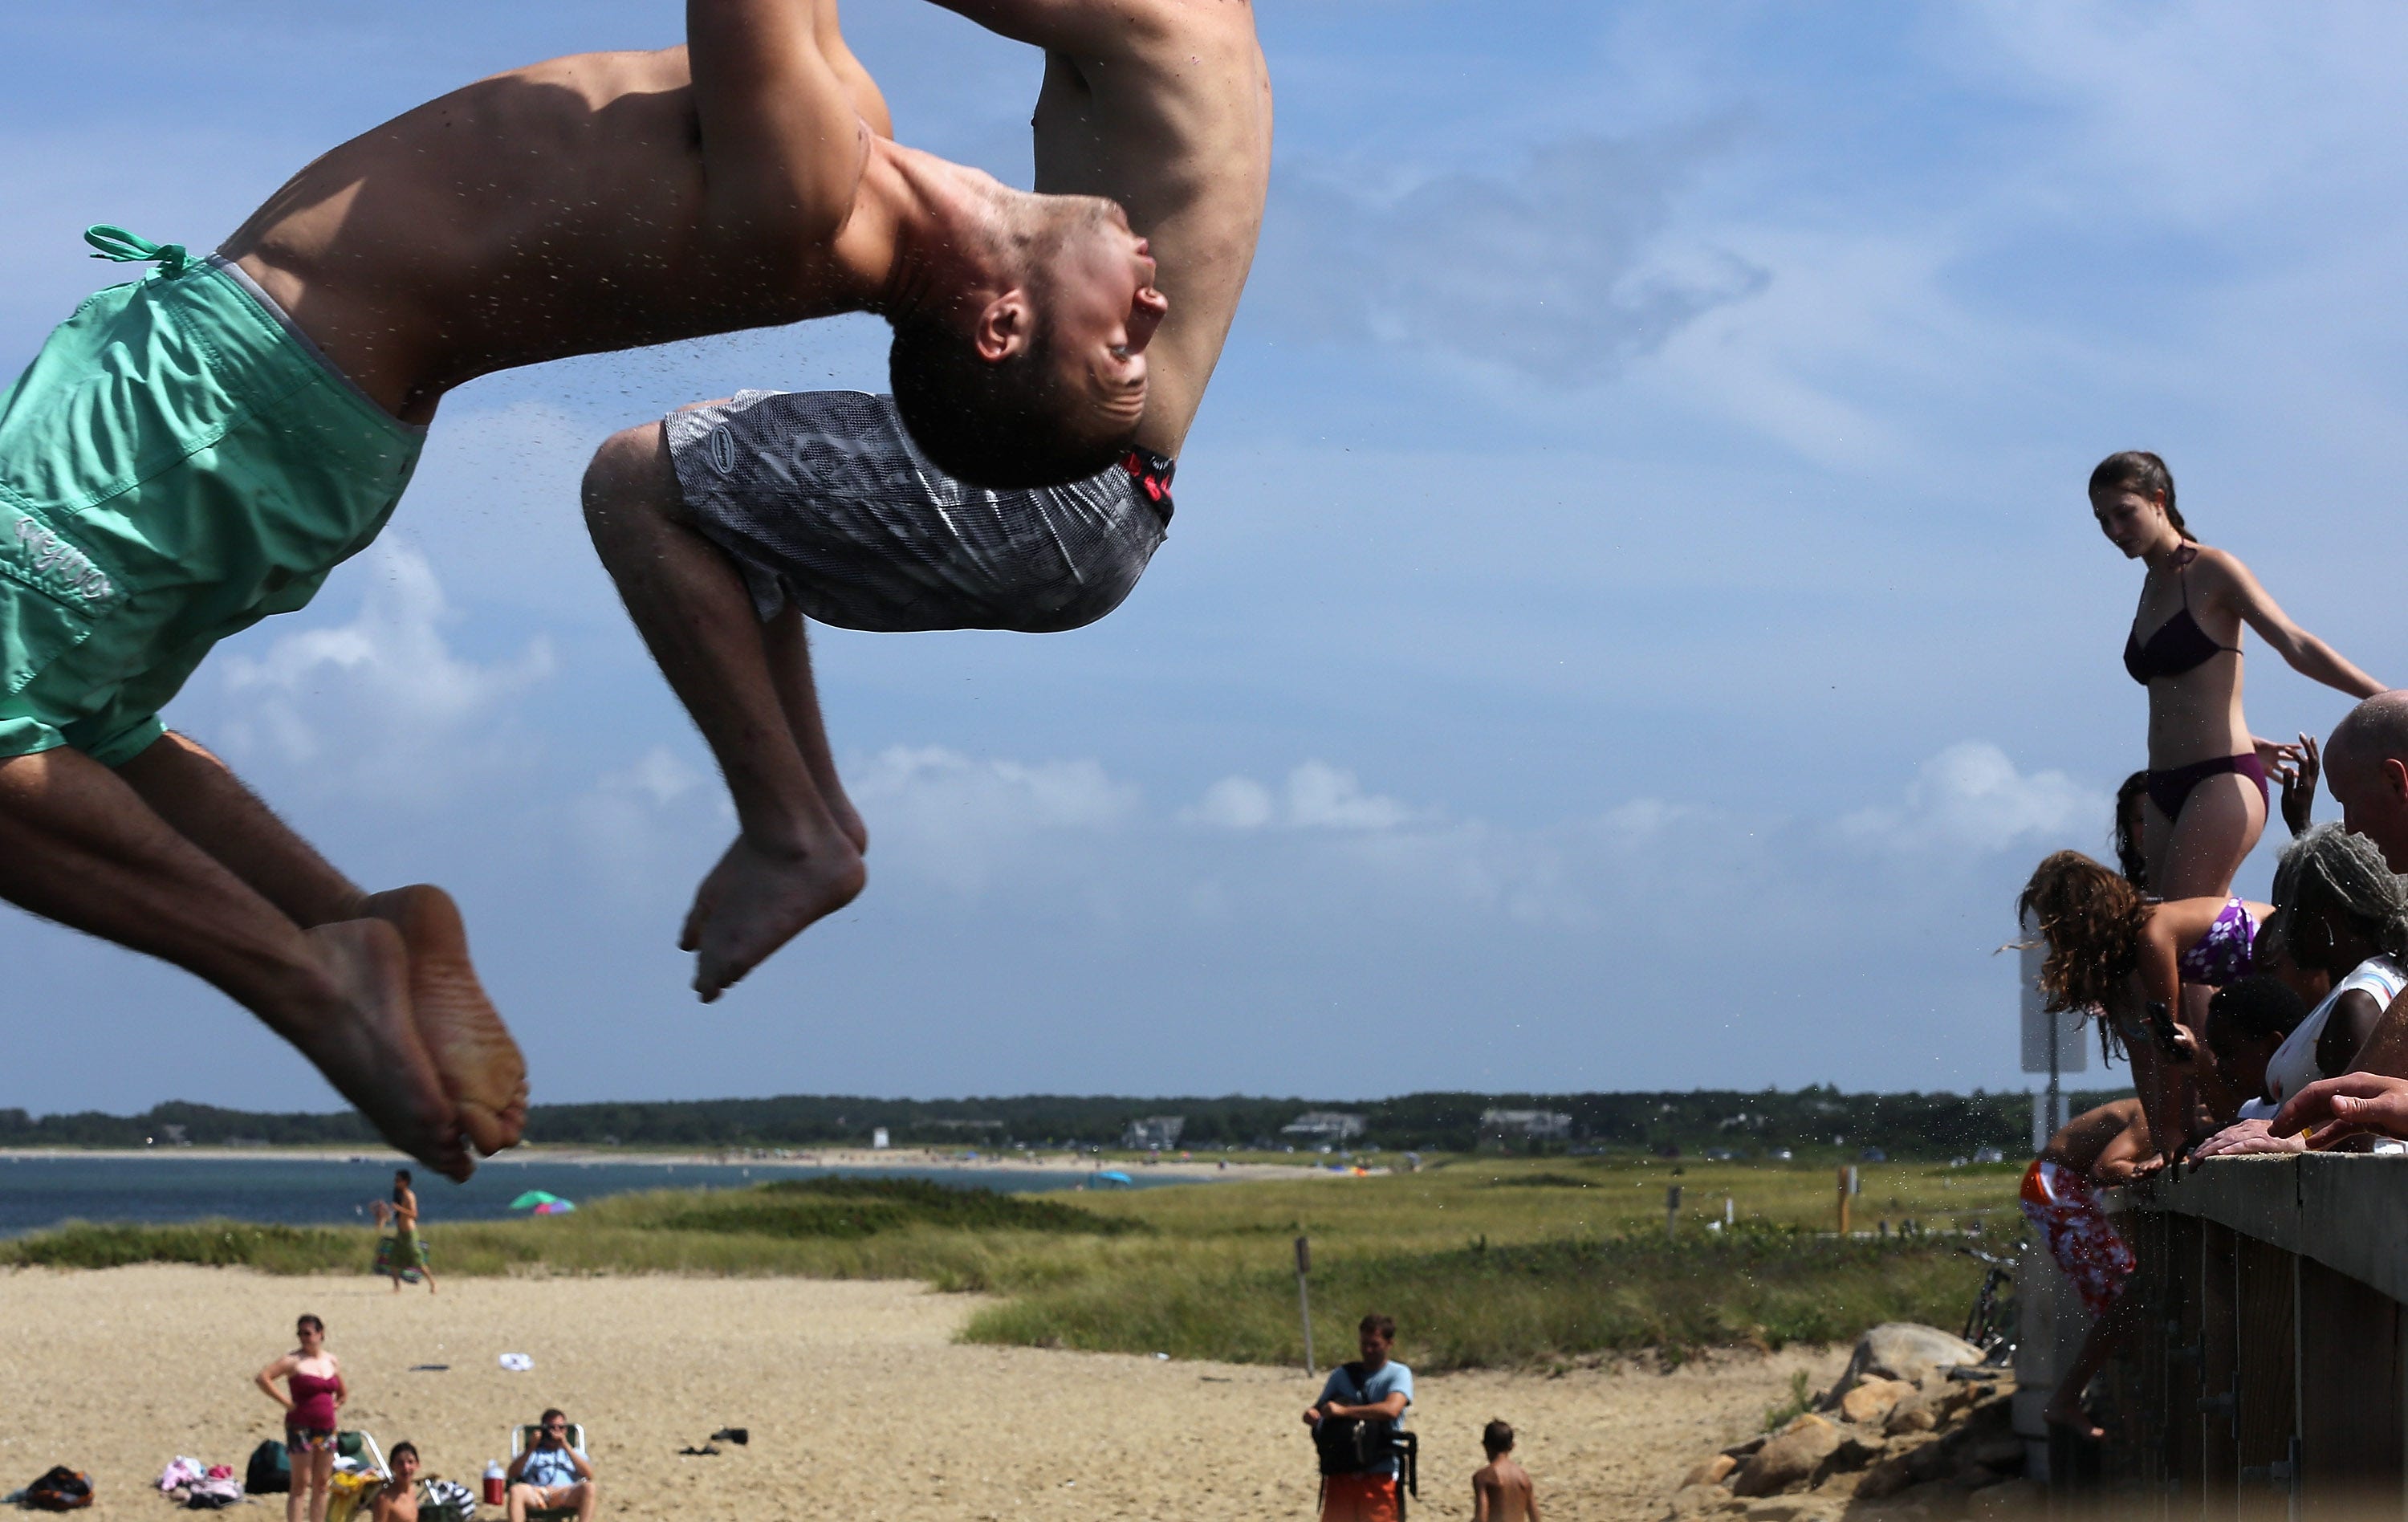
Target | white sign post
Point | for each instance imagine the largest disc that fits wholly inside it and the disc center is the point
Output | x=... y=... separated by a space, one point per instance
x=2052 y=1043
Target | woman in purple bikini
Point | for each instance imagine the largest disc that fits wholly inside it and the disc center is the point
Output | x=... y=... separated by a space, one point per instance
x=2115 y=954
x=2206 y=801
x=311 y=1413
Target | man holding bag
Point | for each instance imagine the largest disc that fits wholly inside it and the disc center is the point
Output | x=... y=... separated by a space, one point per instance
x=1361 y=1407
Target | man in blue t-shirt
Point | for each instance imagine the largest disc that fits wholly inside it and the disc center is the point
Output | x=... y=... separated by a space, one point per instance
x=550 y=1475
x=1374 y=1388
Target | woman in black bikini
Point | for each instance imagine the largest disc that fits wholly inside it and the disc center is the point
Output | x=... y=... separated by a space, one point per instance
x=2206 y=801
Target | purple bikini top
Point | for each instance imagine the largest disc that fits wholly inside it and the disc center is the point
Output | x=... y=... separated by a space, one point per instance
x=2179 y=643
x=2223 y=954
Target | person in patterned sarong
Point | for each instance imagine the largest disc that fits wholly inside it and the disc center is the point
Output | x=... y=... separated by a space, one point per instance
x=2098 y=1147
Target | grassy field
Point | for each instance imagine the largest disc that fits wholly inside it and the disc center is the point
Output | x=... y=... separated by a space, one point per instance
x=1487 y=1261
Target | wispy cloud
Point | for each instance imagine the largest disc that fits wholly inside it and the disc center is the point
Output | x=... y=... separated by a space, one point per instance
x=381 y=706
x=1557 y=270
x=1972 y=798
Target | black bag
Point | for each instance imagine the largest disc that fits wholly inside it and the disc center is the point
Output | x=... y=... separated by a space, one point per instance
x=270 y=1469
x=1352 y=1444
x=61 y=1489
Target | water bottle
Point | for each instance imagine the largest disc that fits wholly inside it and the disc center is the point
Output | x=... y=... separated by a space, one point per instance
x=496 y=1484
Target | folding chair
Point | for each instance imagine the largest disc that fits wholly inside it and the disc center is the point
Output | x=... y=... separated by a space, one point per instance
x=523 y=1438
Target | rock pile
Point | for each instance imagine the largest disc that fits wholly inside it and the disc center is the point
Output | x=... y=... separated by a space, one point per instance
x=1896 y=1437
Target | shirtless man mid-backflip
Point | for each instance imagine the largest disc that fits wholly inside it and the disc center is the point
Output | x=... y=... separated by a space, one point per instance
x=728 y=524
x=194 y=451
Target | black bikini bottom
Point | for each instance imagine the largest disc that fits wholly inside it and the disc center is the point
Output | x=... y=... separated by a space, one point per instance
x=2169 y=789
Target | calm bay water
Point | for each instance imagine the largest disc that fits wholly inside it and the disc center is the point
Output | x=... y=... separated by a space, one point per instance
x=37 y=1192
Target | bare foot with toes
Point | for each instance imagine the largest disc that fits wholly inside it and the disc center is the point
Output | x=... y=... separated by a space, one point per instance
x=756 y=900
x=480 y=1065
x=369 y=1048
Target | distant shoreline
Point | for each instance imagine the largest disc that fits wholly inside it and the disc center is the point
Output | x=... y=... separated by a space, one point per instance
x=815 y=1160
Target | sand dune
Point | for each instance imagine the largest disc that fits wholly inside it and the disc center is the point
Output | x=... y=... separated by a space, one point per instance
x=860 y=1405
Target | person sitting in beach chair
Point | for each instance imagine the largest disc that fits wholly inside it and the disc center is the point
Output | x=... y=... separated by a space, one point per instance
x=550 y=1475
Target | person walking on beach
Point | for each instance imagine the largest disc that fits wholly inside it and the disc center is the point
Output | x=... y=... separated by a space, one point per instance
x=310 y=1414
x=403 y=1253
x=1502 y=1491
x=550 y=1475
x=2207 y=791
x=1374 y=1390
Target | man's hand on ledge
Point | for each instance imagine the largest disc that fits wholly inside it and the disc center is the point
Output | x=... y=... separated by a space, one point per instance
x=2243 y=1137
x=2332 y=1110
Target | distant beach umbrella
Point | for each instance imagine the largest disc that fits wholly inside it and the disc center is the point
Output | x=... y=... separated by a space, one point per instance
x=534 y=1199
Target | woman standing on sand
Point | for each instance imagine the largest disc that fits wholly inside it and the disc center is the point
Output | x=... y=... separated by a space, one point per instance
x=310 y=1414
x=2207 y=798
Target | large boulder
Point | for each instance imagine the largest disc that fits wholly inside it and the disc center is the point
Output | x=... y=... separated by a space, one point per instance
x=1792 y=1457
x=1901 y=1350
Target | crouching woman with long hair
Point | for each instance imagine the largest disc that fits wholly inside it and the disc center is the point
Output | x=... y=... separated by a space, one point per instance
x=2112 y=953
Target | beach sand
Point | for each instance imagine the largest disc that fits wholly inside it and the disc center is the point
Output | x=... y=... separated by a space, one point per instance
x=859 y=1404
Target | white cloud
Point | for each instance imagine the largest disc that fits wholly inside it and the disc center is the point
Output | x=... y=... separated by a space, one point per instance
x=1971 y=799
x=1558 y=270
x=969 y=823
x=381 y=706
x=1317 y=796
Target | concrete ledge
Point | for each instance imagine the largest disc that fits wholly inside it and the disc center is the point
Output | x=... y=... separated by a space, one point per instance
x=2347 y=1211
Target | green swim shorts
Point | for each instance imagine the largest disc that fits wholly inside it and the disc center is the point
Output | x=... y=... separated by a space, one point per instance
x=177 y=462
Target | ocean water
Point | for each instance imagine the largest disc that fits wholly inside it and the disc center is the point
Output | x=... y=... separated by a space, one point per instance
x=37 y=1192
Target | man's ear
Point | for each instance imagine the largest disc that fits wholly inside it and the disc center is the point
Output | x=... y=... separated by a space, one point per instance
x=1006 y=327
x=2395 y=778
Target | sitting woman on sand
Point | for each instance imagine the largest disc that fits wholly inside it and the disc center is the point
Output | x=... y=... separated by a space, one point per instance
x=311 y=1413
x=2206 y=802
x=2338 y=910
x=2113 y=952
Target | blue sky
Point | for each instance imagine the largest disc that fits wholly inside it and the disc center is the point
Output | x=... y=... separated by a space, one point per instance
x=1632 y=619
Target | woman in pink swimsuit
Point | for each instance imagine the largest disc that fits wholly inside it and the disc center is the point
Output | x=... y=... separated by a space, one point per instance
x=2206 y=802
x=311 y=1413
x=2116 y=955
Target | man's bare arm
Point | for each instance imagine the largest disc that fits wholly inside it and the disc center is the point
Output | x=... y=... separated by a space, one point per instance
x=782 y=145
x=1165 y=106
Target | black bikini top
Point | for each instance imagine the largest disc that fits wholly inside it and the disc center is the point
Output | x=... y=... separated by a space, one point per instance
x=2180 y=644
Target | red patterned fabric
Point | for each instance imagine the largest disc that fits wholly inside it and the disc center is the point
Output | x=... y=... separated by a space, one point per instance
x=2060 y=1203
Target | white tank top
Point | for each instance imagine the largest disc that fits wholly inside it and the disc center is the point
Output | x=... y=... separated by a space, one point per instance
x=2293 y=1066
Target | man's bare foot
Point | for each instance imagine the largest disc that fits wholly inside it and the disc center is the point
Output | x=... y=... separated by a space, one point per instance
x=2073 y=1419
x=754 y=901
x=480 y=1065
x=373 y=1054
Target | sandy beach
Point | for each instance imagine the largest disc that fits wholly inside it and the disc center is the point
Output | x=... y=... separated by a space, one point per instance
x=859 y=1402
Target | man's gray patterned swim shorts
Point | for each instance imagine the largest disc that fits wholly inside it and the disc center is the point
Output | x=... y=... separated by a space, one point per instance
x=826 y=506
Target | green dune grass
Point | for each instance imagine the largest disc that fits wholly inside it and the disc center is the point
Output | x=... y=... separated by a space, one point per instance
x=1485 y=1261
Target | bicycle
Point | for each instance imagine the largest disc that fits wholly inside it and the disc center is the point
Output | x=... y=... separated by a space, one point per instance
x=1989 y=1324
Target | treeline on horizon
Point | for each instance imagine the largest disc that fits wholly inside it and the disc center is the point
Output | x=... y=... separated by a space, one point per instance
x=1818 y=1119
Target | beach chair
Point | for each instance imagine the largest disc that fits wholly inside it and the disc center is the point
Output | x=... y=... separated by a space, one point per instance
x=522 y=1438
x=348 y=1496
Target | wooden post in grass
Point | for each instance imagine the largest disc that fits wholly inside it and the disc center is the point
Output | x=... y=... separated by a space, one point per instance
x=1847 y=1177
x=1303 y=1300
x=1671 y=1209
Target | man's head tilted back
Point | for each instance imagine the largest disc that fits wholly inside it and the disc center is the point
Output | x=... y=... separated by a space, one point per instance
x=2366 y=768
x=1029 y=369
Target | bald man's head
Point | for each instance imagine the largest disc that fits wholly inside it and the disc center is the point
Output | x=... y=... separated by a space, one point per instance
x=2366 y=768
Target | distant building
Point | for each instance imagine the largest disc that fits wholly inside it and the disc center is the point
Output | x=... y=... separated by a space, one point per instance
x=1324 y=1125
x=1525 y=1126
x=878 y=1136
x=1153 y=1132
